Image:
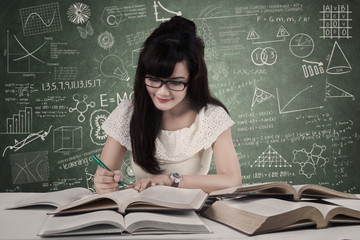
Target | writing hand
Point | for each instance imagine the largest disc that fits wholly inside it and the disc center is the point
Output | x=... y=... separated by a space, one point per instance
x=106 y=181
x=143 y=183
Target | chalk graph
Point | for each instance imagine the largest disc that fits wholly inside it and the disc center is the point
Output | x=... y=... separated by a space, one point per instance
x=29 y=167
x=40 y=19
x=20 y=59
x=158 y=4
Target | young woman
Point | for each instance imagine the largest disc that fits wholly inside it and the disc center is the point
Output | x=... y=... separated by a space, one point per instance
x=173 y=126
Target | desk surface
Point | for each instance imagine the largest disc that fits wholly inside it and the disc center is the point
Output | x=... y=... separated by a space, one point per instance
x=26 y=223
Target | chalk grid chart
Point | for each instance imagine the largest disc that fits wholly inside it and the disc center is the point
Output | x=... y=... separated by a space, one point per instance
x=336 y=21
x=40 y=19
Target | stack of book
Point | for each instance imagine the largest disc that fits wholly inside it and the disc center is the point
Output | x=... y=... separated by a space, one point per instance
x=261 y=208
x=156 y=210
x=250 y=209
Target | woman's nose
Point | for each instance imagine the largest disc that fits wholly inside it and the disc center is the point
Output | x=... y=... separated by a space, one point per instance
x=163 y=90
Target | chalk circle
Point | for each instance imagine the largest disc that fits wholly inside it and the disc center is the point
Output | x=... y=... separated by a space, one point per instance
x=264 y=56
x=301 y=45
x=111 y=20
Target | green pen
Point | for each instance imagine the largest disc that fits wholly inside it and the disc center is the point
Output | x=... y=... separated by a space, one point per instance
x=101 y=164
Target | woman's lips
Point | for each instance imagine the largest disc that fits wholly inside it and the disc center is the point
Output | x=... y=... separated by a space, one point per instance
x=162 y=100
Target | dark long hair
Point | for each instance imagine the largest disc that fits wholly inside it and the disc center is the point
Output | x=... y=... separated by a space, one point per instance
x=172 y=42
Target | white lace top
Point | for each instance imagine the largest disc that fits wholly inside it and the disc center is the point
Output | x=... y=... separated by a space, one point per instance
x=187 y=151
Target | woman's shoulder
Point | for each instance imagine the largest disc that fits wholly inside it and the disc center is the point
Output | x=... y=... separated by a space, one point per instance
x=214 y=119
x=125 y=108
x=118 y=123
x=212 y=110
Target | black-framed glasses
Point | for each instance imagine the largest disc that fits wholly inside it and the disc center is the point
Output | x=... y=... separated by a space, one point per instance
x=172 y=85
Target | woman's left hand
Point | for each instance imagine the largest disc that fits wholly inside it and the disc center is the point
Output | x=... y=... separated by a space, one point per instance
x=143 y=183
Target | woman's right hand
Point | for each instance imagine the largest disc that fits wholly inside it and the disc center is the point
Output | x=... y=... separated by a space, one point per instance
x=106 y=181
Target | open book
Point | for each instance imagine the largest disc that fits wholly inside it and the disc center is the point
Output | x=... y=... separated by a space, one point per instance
x=152 y=198
x=260 y=215
x=282 y=188
x=107 y=221
x=55 y=199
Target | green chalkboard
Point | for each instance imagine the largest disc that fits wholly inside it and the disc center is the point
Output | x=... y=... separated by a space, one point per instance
x=287 y=71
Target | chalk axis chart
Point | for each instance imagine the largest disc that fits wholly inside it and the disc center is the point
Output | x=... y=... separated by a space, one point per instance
x=40 y=19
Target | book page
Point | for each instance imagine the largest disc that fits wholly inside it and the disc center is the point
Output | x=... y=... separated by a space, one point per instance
x=262 y=188
x=97 y=201
x=348 y=203
x=172 y=197
x=172 y=222
x=56 y=199
x=264 y=207
x=121 y=196
x=313 y=190
x=323 y=208
x=55 y=225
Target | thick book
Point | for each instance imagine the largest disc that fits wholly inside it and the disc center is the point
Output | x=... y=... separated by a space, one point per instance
x=261 y=215
x=54 y=199
x=152 y=198
x=282 y=189
x=108 y=221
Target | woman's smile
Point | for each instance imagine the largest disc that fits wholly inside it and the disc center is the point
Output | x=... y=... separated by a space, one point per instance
x=162 y=100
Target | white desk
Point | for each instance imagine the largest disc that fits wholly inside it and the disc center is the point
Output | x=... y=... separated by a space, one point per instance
x=26 y=223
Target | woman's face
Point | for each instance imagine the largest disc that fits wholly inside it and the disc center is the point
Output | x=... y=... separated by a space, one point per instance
x=165 y=99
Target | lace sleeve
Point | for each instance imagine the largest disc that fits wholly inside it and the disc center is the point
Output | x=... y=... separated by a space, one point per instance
x=117 y=125
x=215 y=120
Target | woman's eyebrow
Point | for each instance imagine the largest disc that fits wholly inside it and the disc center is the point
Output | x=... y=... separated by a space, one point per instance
x=177 y=78
x=171 y=78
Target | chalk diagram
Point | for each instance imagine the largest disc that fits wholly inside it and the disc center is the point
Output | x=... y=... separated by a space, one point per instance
x=30 y=138
x=81 y=106
x=112 y=16
x=260 y=96
x=281 y=35
x=312 y=68
x=264 y=56
x=89 y=180
x=78 y=13
x=112 y=66
x=67 y=139
x=338 y=63
x=233 y=100
x=106 y=40
x=21 y=122
x=336 y=21
x=164 y=10
x=97 y=134
x=40 y=19
x=205 y=31
x=218 y=70
x=29 y=167
x=298 y=102
x=128 y=174
x=270 y=158
x=332 y=91
x=310 y=161
x=20 y=59
x=301 y=45
x=86 y=31
x=135 y=57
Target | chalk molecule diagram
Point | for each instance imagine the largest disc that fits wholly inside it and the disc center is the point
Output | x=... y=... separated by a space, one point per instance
x=310 y=161
x=81 y=106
